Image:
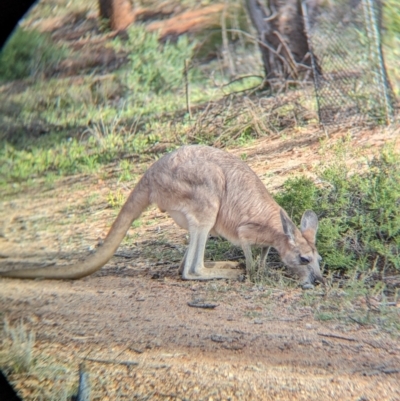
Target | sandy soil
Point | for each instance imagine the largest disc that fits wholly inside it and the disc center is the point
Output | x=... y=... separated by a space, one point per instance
x=131 y=320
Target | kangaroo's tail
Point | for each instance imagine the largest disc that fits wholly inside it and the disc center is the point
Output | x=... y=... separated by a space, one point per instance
x=136 y=203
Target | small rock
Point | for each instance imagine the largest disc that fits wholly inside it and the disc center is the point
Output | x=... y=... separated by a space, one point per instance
x=218 y=338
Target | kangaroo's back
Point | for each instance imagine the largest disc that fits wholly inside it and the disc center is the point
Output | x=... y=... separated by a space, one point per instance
x=217 y=171
x=195 y=179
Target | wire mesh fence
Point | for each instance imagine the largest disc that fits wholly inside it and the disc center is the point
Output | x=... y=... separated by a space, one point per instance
x=349 y=73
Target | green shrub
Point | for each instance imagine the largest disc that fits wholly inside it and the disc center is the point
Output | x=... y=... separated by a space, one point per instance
x=359 y=214
x=29 y=53
x=154 y=67
x=391 y=41
x=391 y=17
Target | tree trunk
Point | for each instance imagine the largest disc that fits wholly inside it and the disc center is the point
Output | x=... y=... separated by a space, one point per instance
x=118 y=12
x=283 y=42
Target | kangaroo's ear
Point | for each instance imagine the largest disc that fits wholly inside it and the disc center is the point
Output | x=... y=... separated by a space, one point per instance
x=288 y=226
x=309 y=225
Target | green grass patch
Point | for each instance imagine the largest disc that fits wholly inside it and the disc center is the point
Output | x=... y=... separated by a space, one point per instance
x=51 y=127
x=68 y=157
x=359 y=300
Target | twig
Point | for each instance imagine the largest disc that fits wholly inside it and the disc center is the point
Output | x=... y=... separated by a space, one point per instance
x=176 y=396
x=272 y=15
x=187 y=89
x=125 y=255
x=336 y=336
x=252 y=90
x=113 y=362
x=201 y=305
x=388 y=303
x=168 y=245
x=261 y=43
x=289 y=55
x=230 y=258
x=137 y=350
x=390 y=371
x=241 y=78
x=357 y=321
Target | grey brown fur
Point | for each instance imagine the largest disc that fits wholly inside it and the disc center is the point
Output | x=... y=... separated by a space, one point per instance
x=206 y=190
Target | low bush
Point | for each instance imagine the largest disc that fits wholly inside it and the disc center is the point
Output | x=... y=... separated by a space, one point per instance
x=153 y=66
x=359 y=213
x=29 y=53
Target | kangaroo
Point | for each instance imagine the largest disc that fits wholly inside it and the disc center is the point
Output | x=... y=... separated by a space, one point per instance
x=207 y=191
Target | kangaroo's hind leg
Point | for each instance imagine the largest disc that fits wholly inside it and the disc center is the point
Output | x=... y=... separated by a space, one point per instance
x=263 y=257
x=194 y=268
x=211 y=265
x=199 y=224
x=182 y=264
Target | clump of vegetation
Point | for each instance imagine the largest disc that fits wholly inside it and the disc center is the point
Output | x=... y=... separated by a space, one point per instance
x=19 y=343
x=18 y=361
x=153 y=66
x=116 y=199
x=29 y=53
x=359 y=213
x=70 y=155
x=391 y=41
x=391 y=17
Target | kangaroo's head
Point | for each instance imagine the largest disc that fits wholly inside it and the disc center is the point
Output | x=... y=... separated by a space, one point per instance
x=300 y=253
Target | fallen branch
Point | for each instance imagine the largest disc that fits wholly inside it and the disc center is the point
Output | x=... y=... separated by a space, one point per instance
x=125 y=255
x=390 y=371
x=138 y=351
x=291 y=61
x=357 y=321
x=202 y=305
x=336 y=336
x=113 y=362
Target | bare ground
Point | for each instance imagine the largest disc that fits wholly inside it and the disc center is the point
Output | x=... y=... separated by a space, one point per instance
x=132 y=323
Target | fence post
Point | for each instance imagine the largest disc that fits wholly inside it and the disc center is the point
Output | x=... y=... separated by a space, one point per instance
x=372 y=28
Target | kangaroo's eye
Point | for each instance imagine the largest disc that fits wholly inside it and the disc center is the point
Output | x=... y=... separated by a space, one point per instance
x=304 y=260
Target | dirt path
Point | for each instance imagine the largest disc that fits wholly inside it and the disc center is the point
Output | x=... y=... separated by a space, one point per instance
x=190 y=353
x=258 y=343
